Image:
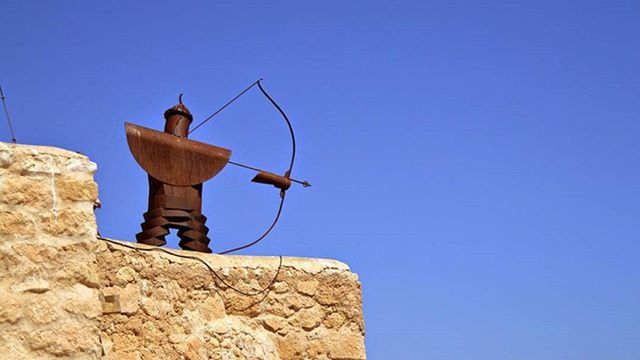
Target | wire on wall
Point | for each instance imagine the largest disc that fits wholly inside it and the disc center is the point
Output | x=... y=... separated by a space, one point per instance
x=6 y=113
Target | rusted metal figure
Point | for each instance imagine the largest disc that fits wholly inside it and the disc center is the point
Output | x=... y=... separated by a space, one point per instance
x=177 y=167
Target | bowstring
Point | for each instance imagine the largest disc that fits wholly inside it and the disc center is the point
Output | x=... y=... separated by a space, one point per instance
x=288 y=173
x=225 y=105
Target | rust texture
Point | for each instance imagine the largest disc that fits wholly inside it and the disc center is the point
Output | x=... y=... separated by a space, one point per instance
x=177 y=167
x=281 y=182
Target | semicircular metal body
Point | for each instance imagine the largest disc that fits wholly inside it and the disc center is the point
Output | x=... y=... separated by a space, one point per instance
x=172 y=159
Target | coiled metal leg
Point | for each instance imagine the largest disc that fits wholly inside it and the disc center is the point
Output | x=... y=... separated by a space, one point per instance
x=190 y=225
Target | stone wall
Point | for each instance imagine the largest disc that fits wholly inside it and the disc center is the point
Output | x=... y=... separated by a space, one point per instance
x=49 y=283
x=64 y=293
x=160 y=306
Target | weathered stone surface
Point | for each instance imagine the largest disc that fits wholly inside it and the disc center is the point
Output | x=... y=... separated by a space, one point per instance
x=6 y=155
x=130 y=299
x=76 y=188
x=27 y=190
x=125 y=275
x=308 y=287
x=31 y=284
x=212 y=308
x=14 y=224
x=49 y=302
x=67 y=294
x=343 y=345
x=274 y=323
x=11 y=309
x=180 y=299
x=81 y=300
x=65 y=340
x=42 y=309
x=334 y=320
x=68 y=222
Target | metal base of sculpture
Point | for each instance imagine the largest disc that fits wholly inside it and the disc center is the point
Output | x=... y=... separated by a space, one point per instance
x=175 y=207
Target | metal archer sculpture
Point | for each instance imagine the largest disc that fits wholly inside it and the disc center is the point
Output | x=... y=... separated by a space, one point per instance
x=177 y=168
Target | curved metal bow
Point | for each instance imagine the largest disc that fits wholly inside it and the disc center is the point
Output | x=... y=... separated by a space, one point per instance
x=282 y=182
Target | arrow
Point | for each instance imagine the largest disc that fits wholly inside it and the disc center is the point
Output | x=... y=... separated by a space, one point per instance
x=266 y=177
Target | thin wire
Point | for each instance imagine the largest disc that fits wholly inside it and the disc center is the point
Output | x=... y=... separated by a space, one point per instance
x=273 y=224
x=225 y=105
x=213 y=273
x=6 y=112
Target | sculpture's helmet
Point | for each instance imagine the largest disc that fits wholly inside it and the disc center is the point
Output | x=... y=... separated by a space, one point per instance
x=179 y=109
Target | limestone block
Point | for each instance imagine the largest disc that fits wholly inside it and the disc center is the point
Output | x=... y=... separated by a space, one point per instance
x=80 y=271
x=43 y=160
x=68 y=222
x=110 y=299
x=76 y=188
x=6 y=156
x=14 y=224
x=68 y=340
x=334 y=320
x=273 y=323
x=12 y=307
x=280 y=287
x=42 y=309
x=155 y=308
x=344 y=345
x=130 y=299
x=292 y=346
x=212 y=308
x=125 y=275
x=81 y=300
x=32 y=284
x=307 y=319
x=35 y=163
x=27 y=191
x=308 y=287
x=37 y=253
x=80 y=165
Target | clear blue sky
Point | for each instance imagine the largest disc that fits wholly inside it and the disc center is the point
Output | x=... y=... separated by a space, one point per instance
x=476 y=163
